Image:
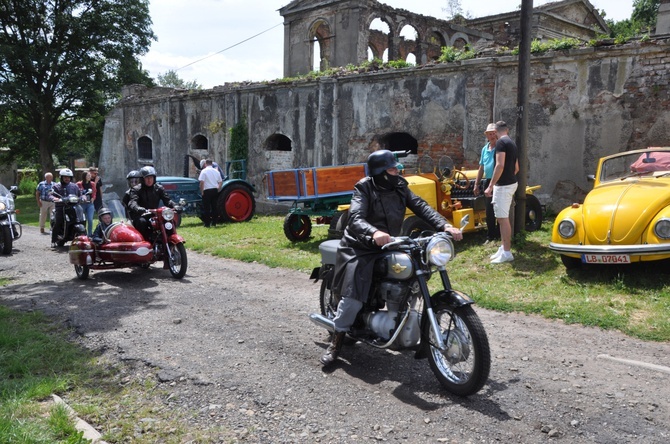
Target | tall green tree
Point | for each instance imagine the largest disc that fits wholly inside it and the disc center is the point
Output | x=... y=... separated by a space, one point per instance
x=172 y=80
x=62 y=62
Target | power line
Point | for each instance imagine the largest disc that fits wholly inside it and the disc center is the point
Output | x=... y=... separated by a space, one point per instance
x=226 y=49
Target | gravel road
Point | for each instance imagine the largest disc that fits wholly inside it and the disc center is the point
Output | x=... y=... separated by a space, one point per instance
x=232 y=342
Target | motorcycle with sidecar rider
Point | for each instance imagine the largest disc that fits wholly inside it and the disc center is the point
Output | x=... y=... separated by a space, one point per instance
x=123 y=246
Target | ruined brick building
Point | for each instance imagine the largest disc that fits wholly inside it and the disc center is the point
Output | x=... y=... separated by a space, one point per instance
x=585 y=102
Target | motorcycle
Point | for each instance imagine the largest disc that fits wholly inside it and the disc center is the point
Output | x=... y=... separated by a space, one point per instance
x=125 y=247
x=442 y=327
x=10 y=228
x=74 y=219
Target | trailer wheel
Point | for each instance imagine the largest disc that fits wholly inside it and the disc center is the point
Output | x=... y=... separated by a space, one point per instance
x=533 y=213
x=297 y=228
x=236 y=204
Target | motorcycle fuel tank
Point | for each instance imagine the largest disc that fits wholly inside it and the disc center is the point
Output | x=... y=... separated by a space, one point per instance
x=126 y=245
x=395 y=265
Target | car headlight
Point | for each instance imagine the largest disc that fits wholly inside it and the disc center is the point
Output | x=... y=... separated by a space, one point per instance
x=439 y=251
x=566 y=228
x=168 y=214
x=662 y=229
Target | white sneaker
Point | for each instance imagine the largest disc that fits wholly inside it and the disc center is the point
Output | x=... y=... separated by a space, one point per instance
x=506 y=256
x=497 y=253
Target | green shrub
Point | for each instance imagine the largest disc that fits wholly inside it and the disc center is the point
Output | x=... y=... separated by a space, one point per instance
x=452 y=54
x=27 y=185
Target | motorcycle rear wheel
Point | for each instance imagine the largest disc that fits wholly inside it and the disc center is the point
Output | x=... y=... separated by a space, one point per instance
x=464 y=368
x=178 y=262
x=6 y=240
x=82 y=271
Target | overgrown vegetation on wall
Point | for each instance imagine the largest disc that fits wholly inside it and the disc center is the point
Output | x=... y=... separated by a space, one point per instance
x=238 y=148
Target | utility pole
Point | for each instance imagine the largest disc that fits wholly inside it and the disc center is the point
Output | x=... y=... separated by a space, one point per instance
x=522 y=113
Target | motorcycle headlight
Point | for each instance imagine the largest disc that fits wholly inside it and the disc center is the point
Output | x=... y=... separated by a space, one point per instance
x=566 y=228
x=439 y=251
x=73 y=199
x=3 y=206
x=168 y=214
x=662 y=229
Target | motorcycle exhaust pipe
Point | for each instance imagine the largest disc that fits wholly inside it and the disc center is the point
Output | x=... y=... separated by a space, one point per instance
x=322 y=322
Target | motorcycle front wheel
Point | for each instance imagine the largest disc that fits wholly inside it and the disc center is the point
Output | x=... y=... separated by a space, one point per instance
x=178 y=262
x=82 y=271
x=464 y=366
x=6 y=240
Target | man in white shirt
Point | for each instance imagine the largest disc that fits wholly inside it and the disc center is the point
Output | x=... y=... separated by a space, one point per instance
x=210 y=184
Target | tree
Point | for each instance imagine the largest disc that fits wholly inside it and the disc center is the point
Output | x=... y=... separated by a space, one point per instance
x=645 y=13
x=171 y=80
x=61 y=64
x=454 y=11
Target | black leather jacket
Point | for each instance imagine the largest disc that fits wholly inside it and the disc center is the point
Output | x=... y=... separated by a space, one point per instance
x=143 y=198
x=375 y=209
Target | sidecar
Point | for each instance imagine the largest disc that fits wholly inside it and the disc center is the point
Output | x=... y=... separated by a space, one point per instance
x=124 y=247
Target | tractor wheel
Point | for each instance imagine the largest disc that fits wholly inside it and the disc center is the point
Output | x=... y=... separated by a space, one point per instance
x=236 y=203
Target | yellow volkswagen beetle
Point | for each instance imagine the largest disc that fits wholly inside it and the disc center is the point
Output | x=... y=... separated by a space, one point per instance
x=625 y=218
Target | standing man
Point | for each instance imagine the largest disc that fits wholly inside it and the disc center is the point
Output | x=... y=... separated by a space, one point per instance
x=43 y=200
x=97 y=203
x=502 y=188
x=210 y=184
x=486 y=163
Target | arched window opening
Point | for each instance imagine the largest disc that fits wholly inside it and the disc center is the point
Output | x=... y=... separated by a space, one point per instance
x=460 y=43
x=145 y=148
x=436 y=42
x=408 y=45
x=200 y=142
x=278 y=142
x=379 y=40
x=320 y=37
x=399 y=142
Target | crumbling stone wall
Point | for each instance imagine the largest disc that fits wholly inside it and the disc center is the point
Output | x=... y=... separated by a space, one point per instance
x=585 y=103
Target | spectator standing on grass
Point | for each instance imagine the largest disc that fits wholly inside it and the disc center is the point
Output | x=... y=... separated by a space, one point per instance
x=44 y=202
x=484 y=175
x=502 y=187
x=95 y=177
x=210 y=184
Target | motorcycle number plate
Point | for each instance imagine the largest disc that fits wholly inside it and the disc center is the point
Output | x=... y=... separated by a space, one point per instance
x=606 y=258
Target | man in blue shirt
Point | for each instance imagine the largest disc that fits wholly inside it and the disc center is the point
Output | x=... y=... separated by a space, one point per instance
x=44 y=202
x=486 y=163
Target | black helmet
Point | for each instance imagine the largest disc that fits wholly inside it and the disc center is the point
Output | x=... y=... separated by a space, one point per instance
x=380 y=161
x=134 y=174
x=147 y=171
x=102 y=211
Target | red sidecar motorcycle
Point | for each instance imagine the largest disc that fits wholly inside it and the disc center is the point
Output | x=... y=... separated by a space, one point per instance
x=125 y=247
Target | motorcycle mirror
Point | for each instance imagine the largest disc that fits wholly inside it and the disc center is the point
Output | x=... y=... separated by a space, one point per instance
x=182 y=202
x=465 y=221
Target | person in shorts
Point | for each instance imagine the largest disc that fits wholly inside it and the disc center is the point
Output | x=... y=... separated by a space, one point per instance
x=501 y=188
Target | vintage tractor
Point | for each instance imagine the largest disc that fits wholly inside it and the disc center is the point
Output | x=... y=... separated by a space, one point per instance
x=451 y=192
x=236 y=202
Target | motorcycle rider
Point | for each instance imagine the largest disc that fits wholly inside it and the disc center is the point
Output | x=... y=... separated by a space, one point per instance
x=376 y=214
x=63 y=189
x=147 y=195
x=134 y=177
x=105 y=218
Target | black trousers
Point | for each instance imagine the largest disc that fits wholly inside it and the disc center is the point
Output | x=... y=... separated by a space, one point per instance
x=209 y=198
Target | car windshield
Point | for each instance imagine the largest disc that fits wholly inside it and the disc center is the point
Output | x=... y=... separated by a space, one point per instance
x=635 y=164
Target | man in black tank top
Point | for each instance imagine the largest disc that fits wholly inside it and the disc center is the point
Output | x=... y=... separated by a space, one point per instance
x=502 y=187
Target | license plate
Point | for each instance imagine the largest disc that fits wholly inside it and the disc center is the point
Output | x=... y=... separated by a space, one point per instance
x=606 y=258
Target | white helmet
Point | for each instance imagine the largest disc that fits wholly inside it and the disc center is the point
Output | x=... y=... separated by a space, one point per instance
x=65 y=172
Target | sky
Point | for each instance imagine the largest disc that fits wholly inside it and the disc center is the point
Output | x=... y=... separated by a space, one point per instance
x=214 y=42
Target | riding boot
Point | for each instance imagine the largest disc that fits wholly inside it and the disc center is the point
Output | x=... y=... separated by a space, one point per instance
x=334 y=348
